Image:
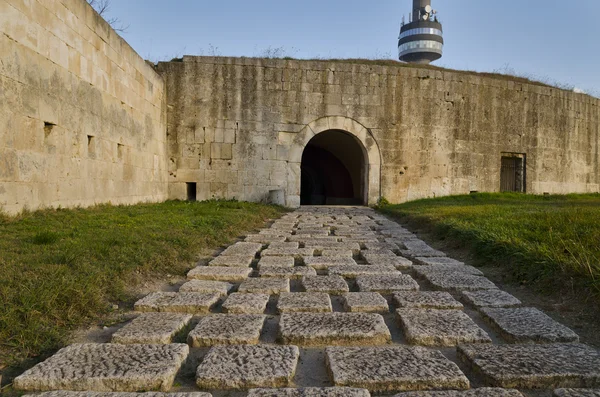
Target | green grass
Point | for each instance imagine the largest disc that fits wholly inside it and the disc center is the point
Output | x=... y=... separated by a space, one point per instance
x=550 y=242
x=61 y=269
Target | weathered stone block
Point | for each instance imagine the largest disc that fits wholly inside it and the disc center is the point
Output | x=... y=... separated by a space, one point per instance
x=535 y=366
x=336 y=252
x=490 y=298
x=425 y=261
x=315 y=302
x=386 y=284
x=321 y=329
x=282 y=261
x=64 y=393
x=264 y=239
x=389 y=369
x=227 y=329
x=180 y=302
x=269 y=286
x=152 y=328
x=207 y=286
x=482 y=392
x=367 y=302
x=246 y=303
x=459 y=282
x=232 y=261
x=334 y=285
x=577 y=393
x=527 y=324
x=432 y=327
x=360 y=270
x=243 y=367
x=294 y=252
x=424 y=271
x=219 y=273
x=325 y=262
x=242 y=249
x=106 y=367
x=426 y=300
x=398 y=262
x=310 y=392
x=286 y=272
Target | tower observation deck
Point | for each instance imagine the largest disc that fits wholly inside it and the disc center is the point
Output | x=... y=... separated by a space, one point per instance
x=421 y=39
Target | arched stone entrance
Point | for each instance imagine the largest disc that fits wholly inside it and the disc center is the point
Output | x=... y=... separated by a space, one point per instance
x=350 y=164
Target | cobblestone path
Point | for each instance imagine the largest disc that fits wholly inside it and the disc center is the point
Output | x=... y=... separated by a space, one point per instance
x=329 y=302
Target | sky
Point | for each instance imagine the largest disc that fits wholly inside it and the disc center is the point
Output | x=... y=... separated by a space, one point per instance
x=554 y=41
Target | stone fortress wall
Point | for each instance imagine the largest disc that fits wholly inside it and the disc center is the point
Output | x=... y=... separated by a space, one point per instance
x=84 y=120
x=238 y=126
x=82 y=116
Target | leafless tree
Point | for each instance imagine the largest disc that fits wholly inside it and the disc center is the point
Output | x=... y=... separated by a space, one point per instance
x=102 y=7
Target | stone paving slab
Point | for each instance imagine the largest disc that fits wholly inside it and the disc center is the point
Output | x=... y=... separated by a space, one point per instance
x=297 y=302
x=426 y=300
x=378 y=253
x=411 y=254
x=219 y=273
x=339 y=329
x=310 y=392
x=393 y=368
x=398 y=262
x=285 y=272
x=207 y=286
x=576 y=393
x=490 y=298
x=178 y=302
x=325 y=262
x=243 y=303
x=361 y=270
x=288 y=245
x=227 y=329
x=424 y=271
x=459 y=282
x=428 y=261
x=433 y=327
x=527 y=324
x=151 y=328
x=232 y=261
x=334 y=285
x=281 y=261
x=380 y=246
x=386 y=284
x=482 y=392
x=244 y=367
x=242 y=249
x=534 y=366
x=294 y=252
x=64 y=393
x=264 y=238
x=367 y=302
x=304 y=239
x=337 y=252
x=269 y=286
x=106 y=367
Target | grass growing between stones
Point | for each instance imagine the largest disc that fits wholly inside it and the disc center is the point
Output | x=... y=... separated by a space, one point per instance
x=61 y=269
x=550 y=242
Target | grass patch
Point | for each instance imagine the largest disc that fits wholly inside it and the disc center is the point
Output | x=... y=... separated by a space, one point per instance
x=61 y=269
x=550 y=242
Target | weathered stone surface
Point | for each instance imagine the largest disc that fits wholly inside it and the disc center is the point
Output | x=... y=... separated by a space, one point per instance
x=227 y=329
x=285 y=272
x=219 y=273
x=368 y=302
x=527 y=324
x=426 y=300
x=425 y=261
x=318 y=329
x=384 y=260
x=232 y=261
x=577 y=393
x=246 y=303
x=490 y=298
x=282 y=261
x=270 y=286
x=242 y=249
x=106 y=367
x=334 y=285
x=459 y=281
x=264 y=239
x=152 y=328
x=294 y=252
x=310 y=392
x=535 y=366
x=315 y=302
x=243 y=367
x=425 y=253
x=432 y=327
x=64 y=393
x=207 y=286
x=482 y=392
x=360 y=270
x=386 y=284
x=180 y=302
x=424 y=271
x=337 y=253
x=325 y=262
x=388 y=369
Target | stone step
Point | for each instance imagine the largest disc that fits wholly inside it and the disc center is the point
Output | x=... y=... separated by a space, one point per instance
x=177 y=302
x=152 y=328
x=534 y=366
x=227 y=329
x=106 y=368
x=322 y=329
x=393 y=369
x=219 y=273
x=310 y=392
x=482 y=392
x=244 y=367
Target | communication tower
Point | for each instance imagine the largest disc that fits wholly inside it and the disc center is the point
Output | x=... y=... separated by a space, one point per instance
x=421 y=39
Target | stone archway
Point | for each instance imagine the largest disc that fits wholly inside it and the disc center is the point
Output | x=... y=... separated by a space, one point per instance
x=363 y=137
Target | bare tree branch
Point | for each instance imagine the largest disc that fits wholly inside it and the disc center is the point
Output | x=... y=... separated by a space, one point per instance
x=102 y=7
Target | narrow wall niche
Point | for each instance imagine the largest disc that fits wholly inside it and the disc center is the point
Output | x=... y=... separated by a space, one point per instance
x=48 y=126
x=91 y=140
x=120 y=150
x=191 y=191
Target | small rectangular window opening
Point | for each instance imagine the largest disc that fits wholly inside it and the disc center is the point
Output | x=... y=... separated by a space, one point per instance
x=513 y=172
x=120 y=149
x=48 y=127
x=91 y=141
x=191 y=191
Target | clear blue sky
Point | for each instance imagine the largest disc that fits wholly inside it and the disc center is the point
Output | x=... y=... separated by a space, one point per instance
x=555 y=40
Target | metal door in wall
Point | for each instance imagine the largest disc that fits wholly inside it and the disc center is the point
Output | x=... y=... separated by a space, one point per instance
x=510 y=174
